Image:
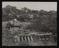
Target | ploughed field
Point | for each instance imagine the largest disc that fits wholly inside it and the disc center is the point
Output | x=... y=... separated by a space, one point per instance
x=21 y=37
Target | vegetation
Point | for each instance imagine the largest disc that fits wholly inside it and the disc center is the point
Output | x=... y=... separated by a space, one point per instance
x=41 y=21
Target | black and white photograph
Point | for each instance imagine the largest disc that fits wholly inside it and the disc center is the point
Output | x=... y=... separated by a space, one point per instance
x=29 y=23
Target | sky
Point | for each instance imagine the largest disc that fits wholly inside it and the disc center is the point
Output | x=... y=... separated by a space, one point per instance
x=33 y=5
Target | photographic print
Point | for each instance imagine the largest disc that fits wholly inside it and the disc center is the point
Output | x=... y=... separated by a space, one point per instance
x=29 y=23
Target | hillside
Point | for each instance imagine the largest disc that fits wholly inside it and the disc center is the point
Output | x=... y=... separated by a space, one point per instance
x=28 y=21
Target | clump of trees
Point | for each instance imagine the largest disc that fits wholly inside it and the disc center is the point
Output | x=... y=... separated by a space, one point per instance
x=45 y=22
x=41 y=21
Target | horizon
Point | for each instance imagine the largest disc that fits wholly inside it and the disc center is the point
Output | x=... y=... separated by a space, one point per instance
x=47 y=6
x=30 y=9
